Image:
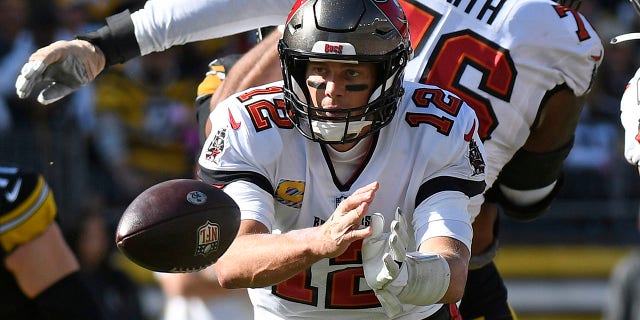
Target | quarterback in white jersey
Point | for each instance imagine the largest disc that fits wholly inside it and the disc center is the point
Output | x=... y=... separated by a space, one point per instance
x=331 y=153
x=288 y=182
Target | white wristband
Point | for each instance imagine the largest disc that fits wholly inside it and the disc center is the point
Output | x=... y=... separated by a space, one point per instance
x=526 y=197
x=427 y=279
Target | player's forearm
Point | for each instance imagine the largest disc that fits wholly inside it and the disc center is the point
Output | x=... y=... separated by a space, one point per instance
x=198 y=284
x=163 y=24
x=260 y=260
x=267 y=67
x=559 y=117
x=41 y=262
x=258 y=66
x=457 y=255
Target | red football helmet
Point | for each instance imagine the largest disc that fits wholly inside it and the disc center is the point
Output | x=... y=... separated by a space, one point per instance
x=351 y=31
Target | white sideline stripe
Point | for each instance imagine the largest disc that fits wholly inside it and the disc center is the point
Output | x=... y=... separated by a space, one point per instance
x=557 y=295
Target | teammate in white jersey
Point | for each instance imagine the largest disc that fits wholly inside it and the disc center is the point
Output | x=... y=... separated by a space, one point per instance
x=353 y=186
x=630 y=105
x=623 y=300
x=524 y=66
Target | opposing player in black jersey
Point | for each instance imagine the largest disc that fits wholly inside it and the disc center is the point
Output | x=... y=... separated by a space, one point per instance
x=39 y=272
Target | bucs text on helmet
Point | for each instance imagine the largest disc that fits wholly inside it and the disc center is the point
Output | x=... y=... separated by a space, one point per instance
x=347 y=31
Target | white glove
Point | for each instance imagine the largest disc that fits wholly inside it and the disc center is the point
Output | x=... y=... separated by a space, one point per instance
x=59 y=69
x=399 y=278
x=380 y=251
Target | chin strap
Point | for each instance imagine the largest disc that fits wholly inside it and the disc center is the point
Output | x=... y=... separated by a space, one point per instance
x=334 y=131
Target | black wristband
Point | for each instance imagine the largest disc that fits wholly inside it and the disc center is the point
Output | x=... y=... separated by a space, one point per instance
x=117 y=39
x=532 y=170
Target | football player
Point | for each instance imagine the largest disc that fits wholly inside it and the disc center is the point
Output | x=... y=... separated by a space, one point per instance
x=624 y=284
x=353 y=185
x=524 y=66
x=39 y=275
x=630 y=105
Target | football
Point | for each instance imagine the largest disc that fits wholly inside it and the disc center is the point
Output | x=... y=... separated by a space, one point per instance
x=178 y=226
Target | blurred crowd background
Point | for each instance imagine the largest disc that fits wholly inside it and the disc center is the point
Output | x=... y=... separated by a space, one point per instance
x=135 y=126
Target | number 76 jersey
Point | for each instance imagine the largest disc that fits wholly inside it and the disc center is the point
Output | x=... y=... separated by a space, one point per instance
x=501 y=57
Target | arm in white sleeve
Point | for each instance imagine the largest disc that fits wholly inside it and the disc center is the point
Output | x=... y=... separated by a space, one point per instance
x=163 y=24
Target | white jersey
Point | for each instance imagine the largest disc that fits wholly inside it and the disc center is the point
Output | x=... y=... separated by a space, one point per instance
x=428 y=161
x=501 y=57
x=503 y=60
x=630 y=119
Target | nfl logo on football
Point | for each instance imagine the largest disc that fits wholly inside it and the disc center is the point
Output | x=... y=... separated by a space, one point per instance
x=208 y=235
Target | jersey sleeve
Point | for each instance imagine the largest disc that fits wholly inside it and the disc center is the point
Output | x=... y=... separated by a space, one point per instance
x=558 y=42
x=443 y=201
x=444 y=215
x=27 y=208
x=454 y=173
x=160 y=25
x=237 y=150
x=242 y=160
x=254 y=203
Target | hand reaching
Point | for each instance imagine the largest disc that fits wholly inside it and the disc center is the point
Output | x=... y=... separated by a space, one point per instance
x=60 y=69
x=343 y=226
x=383 y=254
x=398 y=277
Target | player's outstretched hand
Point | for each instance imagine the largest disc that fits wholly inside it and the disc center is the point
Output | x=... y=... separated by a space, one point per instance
x=399 y=277
x=59 y=69
x=343 y=226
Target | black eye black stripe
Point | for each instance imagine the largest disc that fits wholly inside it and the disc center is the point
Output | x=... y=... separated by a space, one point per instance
x=357 y=87
x=349 y=87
